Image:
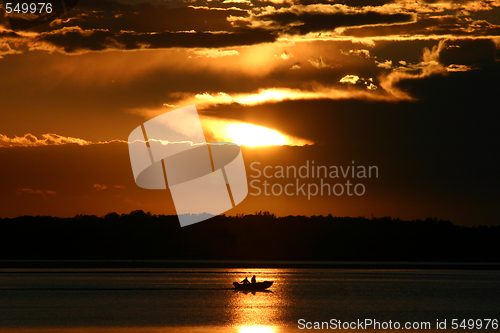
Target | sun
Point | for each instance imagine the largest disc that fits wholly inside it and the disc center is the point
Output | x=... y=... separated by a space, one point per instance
x=253 y=135
x=247 y=134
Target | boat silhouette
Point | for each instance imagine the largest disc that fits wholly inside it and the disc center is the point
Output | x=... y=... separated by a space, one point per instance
x=253 y=286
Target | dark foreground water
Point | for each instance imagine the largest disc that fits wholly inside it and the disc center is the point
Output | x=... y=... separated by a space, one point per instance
x=202 y=300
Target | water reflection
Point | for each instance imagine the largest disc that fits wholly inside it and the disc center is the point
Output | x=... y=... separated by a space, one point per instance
x=253 y=292
x=258 y=311
x=203 y=300
x=257 y=329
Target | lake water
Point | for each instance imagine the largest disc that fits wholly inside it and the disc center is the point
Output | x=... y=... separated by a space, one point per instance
x=202 y=300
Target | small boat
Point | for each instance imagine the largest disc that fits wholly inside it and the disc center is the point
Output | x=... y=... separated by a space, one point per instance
x=253 y=286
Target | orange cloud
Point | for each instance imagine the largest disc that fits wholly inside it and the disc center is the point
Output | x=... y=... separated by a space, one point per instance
x=214 y=53
x=50 y=139
x=352 y=79
x=319 y=63
x=100 y=187
x=5 y=48
x=44 y=193
x=270 y=95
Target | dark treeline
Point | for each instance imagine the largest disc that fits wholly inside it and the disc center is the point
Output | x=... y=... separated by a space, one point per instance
x=262 y=236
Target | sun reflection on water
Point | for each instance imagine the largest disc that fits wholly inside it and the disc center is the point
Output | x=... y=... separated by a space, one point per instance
x=257 y=329
x=258 y=312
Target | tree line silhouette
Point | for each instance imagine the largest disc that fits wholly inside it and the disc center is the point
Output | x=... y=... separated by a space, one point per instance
x=261 y=236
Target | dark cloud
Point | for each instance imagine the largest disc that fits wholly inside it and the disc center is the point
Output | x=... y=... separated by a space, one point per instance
x=122 y=5
x=8 y=34
x=306 y=22
x=477 y=53
x=492 y=15
x=77 y=40
x=101 y=25
x=352 y=3
x=114 y=16
x=432 y=26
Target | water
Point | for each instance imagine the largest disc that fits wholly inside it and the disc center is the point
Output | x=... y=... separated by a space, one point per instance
x=202 y=300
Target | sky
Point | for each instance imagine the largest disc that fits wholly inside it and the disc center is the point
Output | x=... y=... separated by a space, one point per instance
x=410 y=87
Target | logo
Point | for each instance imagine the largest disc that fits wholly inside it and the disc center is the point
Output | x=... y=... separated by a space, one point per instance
x=205 y=179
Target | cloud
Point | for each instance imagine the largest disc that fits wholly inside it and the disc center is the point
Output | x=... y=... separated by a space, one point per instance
x=319 y=63
x=237 y=1
x=360 y=53
x=285 y=56
x=428 y=67
x=352 y=79
x=282 y=94
x=147 y=18
x=496 y=41
x=5 y=48
x=436 y=26
x=386 y=64
x=433 y=54
x=214 y=53
x=77 y=40
x=109 y=25
x=268 y=95
x=101 y=187
x=9 y=42
x=50 y=139
x=44 y=193
x=458 y=68
x=302 y=19
x=356 y=80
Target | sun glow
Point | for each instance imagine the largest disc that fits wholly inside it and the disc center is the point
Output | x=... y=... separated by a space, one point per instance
x=245 y=134
x=252 y=135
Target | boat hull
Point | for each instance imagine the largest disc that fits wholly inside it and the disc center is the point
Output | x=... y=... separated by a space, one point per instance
x=253 y=286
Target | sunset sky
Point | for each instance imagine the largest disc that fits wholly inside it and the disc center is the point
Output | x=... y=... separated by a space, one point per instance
x=408 y=86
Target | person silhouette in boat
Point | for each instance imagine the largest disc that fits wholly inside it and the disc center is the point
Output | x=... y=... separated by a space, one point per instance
x=245 y=281
x=254 y=280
